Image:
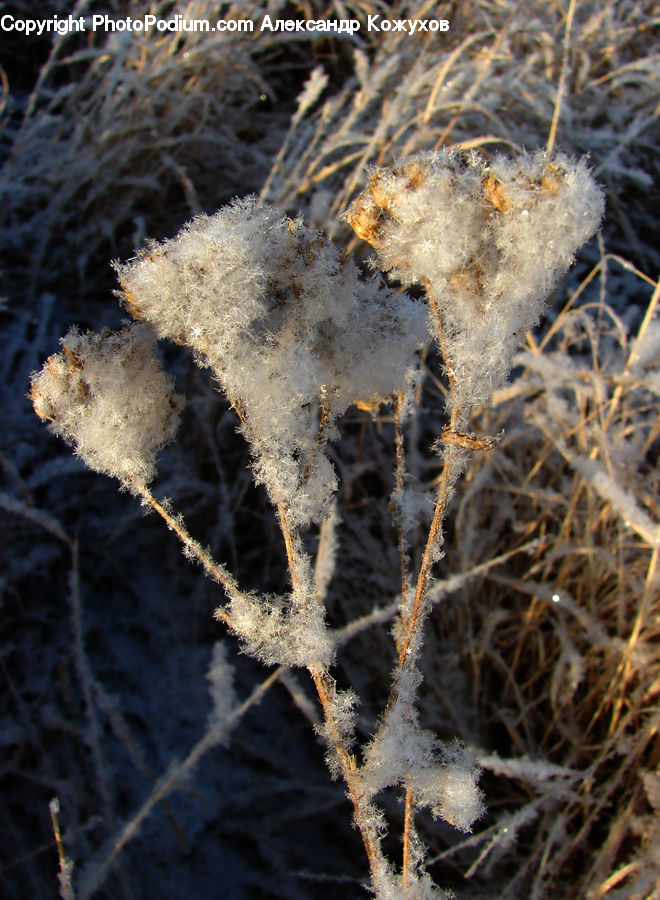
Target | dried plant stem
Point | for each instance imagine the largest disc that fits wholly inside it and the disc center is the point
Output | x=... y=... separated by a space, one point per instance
x=323 y=419
x=325 y=412
x=215 y=570
x=409 y=643
x=322 y=680
x=633 y=356
x=325 y=689
x=401 y=538
x=626 y=667
x=348 y=763
x=290 y=546
x=54 y=807
x=440 y=335
x=408 y=824
x=66 y=890
x=488 y=55
x=447 y=479
x=562 y=77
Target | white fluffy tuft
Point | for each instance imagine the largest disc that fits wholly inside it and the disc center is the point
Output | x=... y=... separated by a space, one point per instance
x=488 y=240
x=286 y=326
x=107 y=394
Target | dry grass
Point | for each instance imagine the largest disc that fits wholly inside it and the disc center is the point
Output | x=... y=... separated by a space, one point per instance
x=562 y=644
x=495 y=80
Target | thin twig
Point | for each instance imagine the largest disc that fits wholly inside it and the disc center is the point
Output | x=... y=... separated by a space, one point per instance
x=634 y=354
x=379 y=615
x=401 y=538
x=348 y=763
x=290 y=546
x=434 y=537
x=326 y=691
x=562 y=78
x=66 y=888
x=218 y=572
x=408 y=825
x=325 y=412
x=407 y=656
x=626 y=665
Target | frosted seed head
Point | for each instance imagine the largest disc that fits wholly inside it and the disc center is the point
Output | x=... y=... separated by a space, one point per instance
x=487 y=239
x=286 y=325
x=107 y=395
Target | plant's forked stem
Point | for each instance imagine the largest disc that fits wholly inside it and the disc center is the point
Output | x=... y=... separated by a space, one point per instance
x=325 y=690
x=214 y=569
x=409 y=644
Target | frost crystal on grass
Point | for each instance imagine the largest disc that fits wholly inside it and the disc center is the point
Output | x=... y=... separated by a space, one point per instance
x=286 y=326
x=107 y=394
x=487 y=239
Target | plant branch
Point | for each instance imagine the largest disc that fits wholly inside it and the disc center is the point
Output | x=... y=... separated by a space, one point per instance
x=326 y=692
x=401 y=538
x=218 y=572
x=408 y=825
x=447 y=478
x=348 y=764
x=406 y=648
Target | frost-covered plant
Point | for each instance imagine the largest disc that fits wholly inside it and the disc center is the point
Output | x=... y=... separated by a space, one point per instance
x=294 y=335
x=287 y=328
x=488 y=239
x=108 y=396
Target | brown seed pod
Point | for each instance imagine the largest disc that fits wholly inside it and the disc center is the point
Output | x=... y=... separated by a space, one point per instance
x=495 y=194
x=131 y=304
x=551 y=180
x=364 y=217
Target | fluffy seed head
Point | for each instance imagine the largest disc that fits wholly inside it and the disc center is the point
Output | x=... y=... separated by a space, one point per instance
x=287 y=327
x=107 y=394
x=487 y=239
